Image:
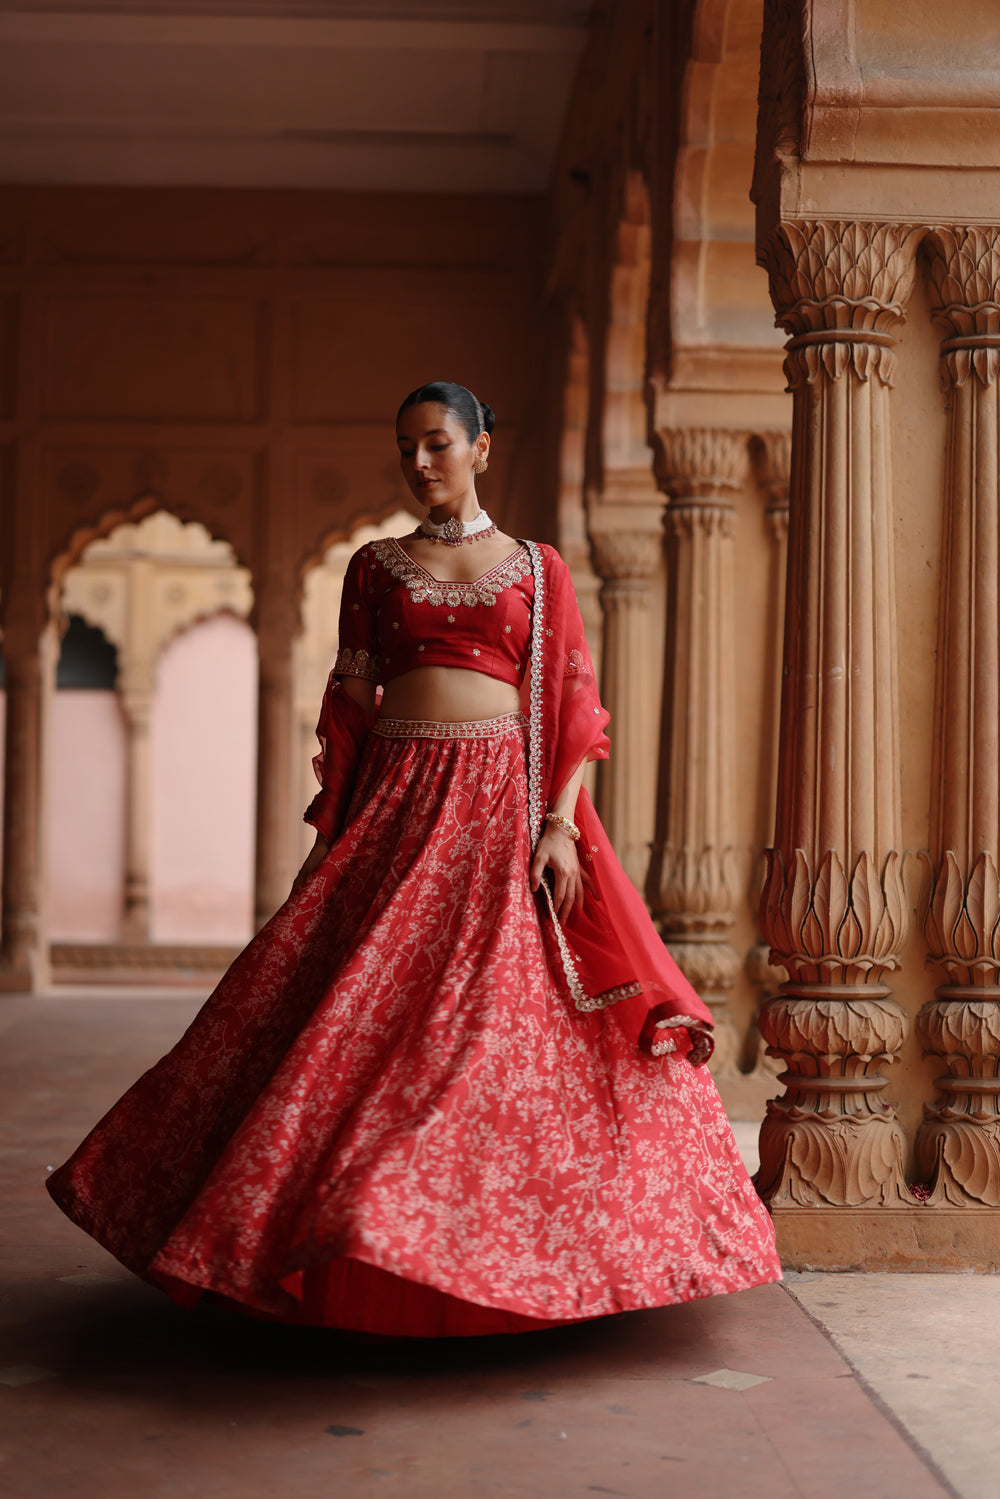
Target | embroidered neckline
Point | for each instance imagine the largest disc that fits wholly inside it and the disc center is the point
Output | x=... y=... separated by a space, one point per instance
x=424 y=588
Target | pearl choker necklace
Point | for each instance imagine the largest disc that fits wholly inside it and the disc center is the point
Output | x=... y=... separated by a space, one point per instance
x=454 y=531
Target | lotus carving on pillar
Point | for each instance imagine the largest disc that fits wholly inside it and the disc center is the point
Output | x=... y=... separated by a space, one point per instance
x=965 y=293
x=831 y=928
x=963 y=923
x=845 y=279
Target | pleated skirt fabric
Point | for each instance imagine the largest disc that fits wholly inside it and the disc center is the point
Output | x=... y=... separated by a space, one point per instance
x=389 y=1117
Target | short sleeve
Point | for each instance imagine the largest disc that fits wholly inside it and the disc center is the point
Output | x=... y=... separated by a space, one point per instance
x=357 y=636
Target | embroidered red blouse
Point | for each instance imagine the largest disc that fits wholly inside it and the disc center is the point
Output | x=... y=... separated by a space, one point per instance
x=395 y=616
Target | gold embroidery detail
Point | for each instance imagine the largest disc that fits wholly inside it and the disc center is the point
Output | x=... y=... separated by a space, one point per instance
x=422 y=728
x=667 y=1045
x=424 y=588
x=609 y=997
x=356 y=664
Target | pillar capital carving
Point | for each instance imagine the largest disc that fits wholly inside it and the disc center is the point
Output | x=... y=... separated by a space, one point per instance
x=700 y=463
x=626 y=556
x=964 y=289
x=839 y=288
x=771 y=453
x=137 y=706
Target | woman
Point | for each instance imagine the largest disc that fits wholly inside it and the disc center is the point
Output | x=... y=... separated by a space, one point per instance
x=454 y=1086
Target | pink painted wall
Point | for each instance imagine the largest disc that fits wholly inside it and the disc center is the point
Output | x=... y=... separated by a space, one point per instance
x=86 y=816
x=204 y=768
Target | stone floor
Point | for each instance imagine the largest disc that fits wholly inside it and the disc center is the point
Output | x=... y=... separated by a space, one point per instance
x=884 y=1387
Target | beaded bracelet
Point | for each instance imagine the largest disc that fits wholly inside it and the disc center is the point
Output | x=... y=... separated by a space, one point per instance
x=564 y=825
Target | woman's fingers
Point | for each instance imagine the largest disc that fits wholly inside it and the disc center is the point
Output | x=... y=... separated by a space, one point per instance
x=559 y=892
x=572 y=895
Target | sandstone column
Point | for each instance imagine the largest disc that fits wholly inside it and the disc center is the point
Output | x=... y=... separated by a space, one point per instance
x=23 y=945
x=137 y=707
x=833 y=907
x=689 y=886
x=278 y=812
x=772 y=453
x=958 y=1146
x=627 y=554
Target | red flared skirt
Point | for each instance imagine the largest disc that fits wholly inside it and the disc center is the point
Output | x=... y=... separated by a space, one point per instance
x=389 y=1117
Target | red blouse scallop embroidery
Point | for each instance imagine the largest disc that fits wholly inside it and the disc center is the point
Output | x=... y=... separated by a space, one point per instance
x=396 y=616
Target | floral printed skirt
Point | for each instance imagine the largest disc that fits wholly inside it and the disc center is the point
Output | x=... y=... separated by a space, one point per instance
x=388 y=1116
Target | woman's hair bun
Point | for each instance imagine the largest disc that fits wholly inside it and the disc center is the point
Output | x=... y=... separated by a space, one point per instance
x=457 y=399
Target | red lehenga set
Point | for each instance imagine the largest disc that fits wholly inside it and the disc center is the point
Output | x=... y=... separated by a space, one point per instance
x=416 y=1104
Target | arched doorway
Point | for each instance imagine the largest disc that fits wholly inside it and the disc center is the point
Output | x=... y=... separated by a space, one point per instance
x=150 y=784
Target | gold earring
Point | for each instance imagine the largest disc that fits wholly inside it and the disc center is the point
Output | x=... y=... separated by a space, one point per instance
x=481 y=465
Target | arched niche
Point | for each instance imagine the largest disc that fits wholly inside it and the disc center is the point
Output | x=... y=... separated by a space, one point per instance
x=145 y=580
x=69 y=547
x=150 y=582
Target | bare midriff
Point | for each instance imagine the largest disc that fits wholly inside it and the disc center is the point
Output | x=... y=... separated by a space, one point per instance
x=448 y=694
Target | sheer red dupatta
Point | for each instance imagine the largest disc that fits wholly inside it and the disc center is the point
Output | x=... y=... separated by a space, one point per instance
x=343 y=724
x=342 y=730
x=612 y=955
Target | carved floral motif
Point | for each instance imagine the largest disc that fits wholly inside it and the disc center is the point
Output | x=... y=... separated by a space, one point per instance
x=958 y=1145
x=965 y=296
x=826 y=927
x=839 y=288
x=700 y=461
x=626 y=555
x=831 y=1140
x=963 y=922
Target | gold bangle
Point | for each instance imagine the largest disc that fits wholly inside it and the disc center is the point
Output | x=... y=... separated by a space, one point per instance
x=564 y=825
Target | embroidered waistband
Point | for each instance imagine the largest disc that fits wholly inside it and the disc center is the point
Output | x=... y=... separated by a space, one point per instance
x=422 y=728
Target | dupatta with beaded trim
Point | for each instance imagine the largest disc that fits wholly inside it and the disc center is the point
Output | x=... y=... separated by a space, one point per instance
x=611 y=953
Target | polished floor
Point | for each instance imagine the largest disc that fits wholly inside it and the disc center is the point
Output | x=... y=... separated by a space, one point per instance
x=107 y=1390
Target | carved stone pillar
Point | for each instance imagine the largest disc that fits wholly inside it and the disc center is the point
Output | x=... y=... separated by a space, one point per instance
x=137 y=707
x=689 y=886
x=278 y=813
x=23 y=945
x=958 y=1146
x=833 y=907
x=772 y=453
x=627 y=554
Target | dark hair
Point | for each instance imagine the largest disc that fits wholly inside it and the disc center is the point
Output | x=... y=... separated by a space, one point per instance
x=475 y=416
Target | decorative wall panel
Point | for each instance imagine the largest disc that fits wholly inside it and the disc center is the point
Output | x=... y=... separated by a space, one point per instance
x=164 y=358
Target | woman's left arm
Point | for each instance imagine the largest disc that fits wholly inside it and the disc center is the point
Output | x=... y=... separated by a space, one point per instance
x=557 y=851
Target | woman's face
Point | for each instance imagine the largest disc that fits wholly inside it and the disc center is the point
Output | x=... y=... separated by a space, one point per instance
x=435 y=454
